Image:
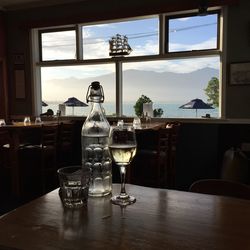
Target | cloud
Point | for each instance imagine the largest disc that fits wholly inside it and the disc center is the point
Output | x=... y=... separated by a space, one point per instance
x=208 y=44
x=101 y=25
x=59 y=45
x=149 y=48
x=81 y=71
x=87 y=33
x=175 y=66
x=183 y=19
x=99 y=48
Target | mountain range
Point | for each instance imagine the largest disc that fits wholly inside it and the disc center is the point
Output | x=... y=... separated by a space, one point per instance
x=160 y=87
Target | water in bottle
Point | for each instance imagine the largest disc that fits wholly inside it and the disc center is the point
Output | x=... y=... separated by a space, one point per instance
x=95 y=151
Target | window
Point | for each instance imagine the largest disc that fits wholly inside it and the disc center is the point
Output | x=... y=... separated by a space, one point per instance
x=142 y=37
x=169 y=90
x=71 y=58
x=190 y=33
x=60 y=83
x=58 y=45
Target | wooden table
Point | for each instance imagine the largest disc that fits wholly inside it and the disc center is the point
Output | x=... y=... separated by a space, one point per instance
x=160 y=219
x=151 y=126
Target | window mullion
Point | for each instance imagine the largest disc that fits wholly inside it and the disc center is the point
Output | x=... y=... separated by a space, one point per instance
x=119 y=101
x=36 y=73
x=161 y=34
x=79 y=43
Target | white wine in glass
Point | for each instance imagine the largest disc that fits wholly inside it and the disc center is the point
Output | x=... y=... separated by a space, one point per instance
x=122 y=145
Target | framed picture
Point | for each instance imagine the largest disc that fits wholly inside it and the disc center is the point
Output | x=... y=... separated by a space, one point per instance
x=239 y=73
x=18 y=59
x=19 y=77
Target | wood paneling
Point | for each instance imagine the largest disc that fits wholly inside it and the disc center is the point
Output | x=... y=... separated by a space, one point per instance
x=3 y=91
x=110 y=10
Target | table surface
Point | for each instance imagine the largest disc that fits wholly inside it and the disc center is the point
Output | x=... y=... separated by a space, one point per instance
x=21 y=125
x=160 y=219
x=151 y=126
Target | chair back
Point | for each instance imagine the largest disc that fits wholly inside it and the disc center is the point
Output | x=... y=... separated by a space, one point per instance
x=165 y=136
x=65 y=144
x=65 y=136
x=235 y=166
x=49 y=136
x=4 y=137
x=221 y=187
x=5 y=148
x=175 y=133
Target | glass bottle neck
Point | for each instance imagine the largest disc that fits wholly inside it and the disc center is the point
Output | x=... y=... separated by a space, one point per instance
x=96 y=122
x=96 y=106
x=97 y=113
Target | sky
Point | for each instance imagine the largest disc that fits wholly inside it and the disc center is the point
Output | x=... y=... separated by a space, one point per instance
x=185 y=34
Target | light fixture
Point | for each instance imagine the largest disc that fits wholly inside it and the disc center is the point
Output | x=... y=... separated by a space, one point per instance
x=203 y=6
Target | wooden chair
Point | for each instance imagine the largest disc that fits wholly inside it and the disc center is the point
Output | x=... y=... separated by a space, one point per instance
x=171 y=164
x=151 y=161
x=48 y=155
x=65 y=144
x=42 y=159
x=221 y=187
x=5 y=162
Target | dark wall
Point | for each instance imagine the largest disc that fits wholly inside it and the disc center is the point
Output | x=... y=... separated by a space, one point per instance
x=3 y=80
x=238 y=50
x=201 y=149
x=2 y=35
x=197 y=154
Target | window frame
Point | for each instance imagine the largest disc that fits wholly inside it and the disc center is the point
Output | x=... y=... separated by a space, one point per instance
x=53 y=30
x=169 y=17
x=119 y=21
x=38 y=63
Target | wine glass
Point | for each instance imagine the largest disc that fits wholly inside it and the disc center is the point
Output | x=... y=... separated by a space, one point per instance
x=122 y=146
x=38 y=120
x=137 y=123
x=2 y=122
x=27 y=120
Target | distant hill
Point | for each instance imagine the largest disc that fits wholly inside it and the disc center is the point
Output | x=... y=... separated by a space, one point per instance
x=163 y=87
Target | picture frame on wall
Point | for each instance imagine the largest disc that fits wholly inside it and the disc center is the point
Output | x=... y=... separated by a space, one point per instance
x=19 y=77
x=239 y=73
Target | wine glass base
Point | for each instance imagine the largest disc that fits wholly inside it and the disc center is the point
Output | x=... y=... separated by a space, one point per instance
x=121 y=201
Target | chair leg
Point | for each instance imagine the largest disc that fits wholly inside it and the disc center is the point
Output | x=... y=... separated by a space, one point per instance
x=48 y=169
x=170 y=177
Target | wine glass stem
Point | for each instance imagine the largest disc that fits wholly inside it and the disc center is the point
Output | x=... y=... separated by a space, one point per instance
x=123 y=177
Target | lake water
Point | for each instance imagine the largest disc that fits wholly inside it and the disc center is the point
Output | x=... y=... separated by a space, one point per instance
x=170 y=110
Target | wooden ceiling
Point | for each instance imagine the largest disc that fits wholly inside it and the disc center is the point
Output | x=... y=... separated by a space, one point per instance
x=167 y=5
x=9 y=5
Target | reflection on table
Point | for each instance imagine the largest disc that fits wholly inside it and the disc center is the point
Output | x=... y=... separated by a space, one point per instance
x=160 y=219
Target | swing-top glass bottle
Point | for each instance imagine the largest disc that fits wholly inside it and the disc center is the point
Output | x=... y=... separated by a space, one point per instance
x=95 y=151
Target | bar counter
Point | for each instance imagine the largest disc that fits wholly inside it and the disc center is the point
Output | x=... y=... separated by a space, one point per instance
x=160 y=219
